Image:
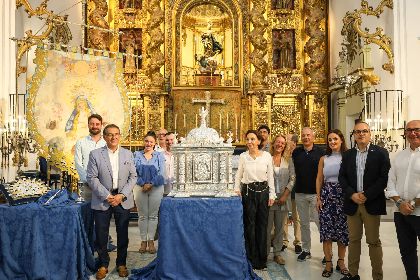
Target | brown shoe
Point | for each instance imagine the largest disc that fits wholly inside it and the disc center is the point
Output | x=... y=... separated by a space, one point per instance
x=122 y=271
x=151 y=249
x=143 y=247
x=101 y=273
x=279 y=260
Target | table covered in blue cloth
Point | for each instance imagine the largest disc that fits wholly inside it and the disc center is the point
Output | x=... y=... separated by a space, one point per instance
x=199 y=238
x=39 y=242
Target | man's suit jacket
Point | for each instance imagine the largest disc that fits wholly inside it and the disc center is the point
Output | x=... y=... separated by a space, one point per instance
x=99 y=177
x=375 y=179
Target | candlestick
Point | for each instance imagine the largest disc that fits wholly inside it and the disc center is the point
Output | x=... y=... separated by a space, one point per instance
x=185 y=121
x=196 y=120
x=220 y=123
x=364 y=97
x=236 y=126
x=227 y=121
x=176 y=117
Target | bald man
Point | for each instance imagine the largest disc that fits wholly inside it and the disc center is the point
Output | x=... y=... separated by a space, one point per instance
x=404 y=189
x=306 y=159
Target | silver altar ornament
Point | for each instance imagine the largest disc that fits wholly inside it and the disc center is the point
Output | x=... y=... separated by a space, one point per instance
x=203 y=164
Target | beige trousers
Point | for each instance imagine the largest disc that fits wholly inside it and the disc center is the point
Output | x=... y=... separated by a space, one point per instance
x=296 y=226
x=371 y=224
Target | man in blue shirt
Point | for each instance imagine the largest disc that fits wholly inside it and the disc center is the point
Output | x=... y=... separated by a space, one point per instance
x=83 y=148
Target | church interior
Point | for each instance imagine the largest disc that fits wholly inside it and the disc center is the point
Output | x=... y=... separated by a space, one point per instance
x=151 y=64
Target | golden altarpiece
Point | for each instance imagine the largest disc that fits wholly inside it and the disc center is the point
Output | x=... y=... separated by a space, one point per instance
x=249 y=62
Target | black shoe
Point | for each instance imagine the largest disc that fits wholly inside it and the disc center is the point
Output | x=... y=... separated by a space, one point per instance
x=298 y=249
x=303 y=256
x=349 y=277
x=327 y=273
x=284 y=247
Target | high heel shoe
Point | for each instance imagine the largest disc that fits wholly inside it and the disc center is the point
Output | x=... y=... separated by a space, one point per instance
x=344 y=270
x=327 y=273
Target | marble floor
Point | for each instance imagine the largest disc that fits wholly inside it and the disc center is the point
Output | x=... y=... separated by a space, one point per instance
x=312 y=268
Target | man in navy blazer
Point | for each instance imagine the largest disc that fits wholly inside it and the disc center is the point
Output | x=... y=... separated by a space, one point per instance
x=363 y=177
x=111 y=174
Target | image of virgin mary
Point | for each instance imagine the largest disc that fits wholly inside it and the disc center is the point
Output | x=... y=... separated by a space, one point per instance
x=81 y=105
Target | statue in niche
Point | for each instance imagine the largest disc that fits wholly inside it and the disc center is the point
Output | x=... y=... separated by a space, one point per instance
x=130 y=43
x=212 y=48
x=130 y=4
x=282 y=4
x=283 y=49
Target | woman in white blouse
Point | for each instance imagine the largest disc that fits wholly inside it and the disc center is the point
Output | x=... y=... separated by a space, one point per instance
x=255 y=183
x=284 y=180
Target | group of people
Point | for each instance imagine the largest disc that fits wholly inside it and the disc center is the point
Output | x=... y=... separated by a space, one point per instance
x=342 y=190
x=113 y=179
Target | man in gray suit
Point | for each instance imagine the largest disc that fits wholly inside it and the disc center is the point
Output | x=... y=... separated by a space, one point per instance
x=111 y=174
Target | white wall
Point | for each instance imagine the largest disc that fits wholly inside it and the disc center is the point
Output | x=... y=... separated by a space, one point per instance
x=407 y=53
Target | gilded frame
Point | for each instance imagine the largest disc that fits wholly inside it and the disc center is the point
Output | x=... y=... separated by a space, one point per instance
x=57 y=156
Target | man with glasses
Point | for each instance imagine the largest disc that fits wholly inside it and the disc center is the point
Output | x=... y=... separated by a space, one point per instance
x=161 y=136
x=363 y=177
x=404 y=190
x=111 y=174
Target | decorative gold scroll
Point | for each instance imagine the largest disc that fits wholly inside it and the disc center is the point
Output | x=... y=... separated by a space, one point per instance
x=382 y=40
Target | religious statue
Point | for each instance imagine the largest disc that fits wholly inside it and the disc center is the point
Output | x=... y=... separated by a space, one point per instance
x=130 y=4
x=212 y=48
x=83 y=108
x=282 y=4
x=130 y=61
x=283 y=49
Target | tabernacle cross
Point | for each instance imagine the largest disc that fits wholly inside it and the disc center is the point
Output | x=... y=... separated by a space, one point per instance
x=208 y=101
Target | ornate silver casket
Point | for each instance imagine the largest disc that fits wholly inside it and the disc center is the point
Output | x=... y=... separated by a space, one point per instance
x=203 y=164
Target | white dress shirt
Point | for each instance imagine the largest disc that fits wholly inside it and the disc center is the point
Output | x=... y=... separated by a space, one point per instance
x=81 y=156
x=252 y=170
x=113 y=158
x=169 y=171
x=404 y=176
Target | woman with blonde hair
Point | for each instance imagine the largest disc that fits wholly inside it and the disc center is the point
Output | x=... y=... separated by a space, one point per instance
x=284 y=180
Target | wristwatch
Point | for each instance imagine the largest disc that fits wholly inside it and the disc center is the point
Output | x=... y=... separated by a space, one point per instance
x=124 y=197
x=398 y=202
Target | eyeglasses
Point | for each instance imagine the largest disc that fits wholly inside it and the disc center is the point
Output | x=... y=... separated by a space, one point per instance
x=414 y=129
x=110 y=135
x=364 y=131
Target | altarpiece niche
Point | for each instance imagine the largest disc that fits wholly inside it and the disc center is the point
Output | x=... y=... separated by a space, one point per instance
x=131 y=43
x=282 y=4
x=130 y=4
x=284 y=52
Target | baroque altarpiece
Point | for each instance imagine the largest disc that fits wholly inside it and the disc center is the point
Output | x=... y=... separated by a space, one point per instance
x=248 y=62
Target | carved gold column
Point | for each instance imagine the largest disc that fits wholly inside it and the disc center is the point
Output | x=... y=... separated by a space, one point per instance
x=154 y=56
x=259 y=44
x=99 y=38
x=316 y=47
x=260 y=98
x=154 y=61
x=314 y=99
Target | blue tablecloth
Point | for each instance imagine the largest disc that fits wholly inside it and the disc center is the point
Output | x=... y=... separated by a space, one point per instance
x=199 y=239
x=38 y=242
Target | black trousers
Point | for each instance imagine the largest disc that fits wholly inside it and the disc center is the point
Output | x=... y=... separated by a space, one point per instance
x=255 y=206
x=408 y=231
x=102 y=222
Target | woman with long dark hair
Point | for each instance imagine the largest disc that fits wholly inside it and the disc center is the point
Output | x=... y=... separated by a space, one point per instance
x=255 y=183
x=330 y=203
x=148 y=192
